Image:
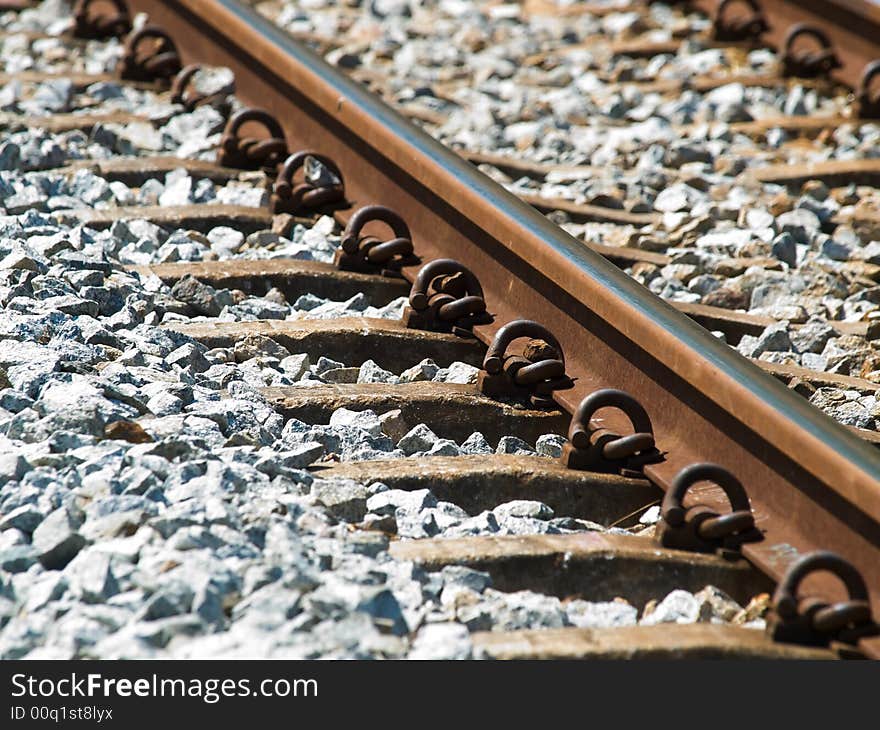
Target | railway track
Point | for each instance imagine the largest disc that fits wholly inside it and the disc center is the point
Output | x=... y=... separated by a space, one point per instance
x=469 y=321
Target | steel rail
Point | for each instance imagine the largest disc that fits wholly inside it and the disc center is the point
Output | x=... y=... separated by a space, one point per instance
x=811 y=483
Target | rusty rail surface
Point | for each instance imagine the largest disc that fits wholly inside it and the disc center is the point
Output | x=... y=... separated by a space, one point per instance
x=812 y=485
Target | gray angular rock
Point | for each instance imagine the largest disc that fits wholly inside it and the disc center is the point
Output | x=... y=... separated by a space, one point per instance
x=382 y=606
x=90 y=577
x=758 y=218
x=189 y=356
x=370 y=372
x=172 y=599
x=198 y=124
x=814 y=361
x=391 y=500
x=18 y=558
x=462 y=373
x=12 y=467
x=720 y=606
x=550 y=444
x=775 y=338
x=679 y=607
x=513 y=445
x=57 y=539
x=325 y=363
x=307 y=302
x=20 y=259
x=341 y=375
x=476 y=444
x=482 y=524
x=14 y=401
x=425 y=370
x=527 y=609
x=812 y=337
x=802 y=224
x=50 y=586
x=419 y=438
x=785 y=249
x=295 y=365
x=524 y=508
x=443 y=447
x=835 y=250
x=25 y=518
x=257 y=308
x=343 y=498
x=165 y=404
x=604 y=615
x=651 y=515
x=203 y=299
x=459 y=575
x=298 y=456
x=417 y=525
x=255 y=345
x=10 y=156
x=365 y=420
x=796 y=103
x=393 y=424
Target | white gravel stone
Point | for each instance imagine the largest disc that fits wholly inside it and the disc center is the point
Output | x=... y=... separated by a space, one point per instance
x=392 y=500
x=442 y=641
x=679 y=607
x=366 y=420
x=225 y=240
x=611 y=614
x=462 y=373
x=550 y=444
x=524 y=508
x=425 y=370
x=295 y=365
x=651 y=515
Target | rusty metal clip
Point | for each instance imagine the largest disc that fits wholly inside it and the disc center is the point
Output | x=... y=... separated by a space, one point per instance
x=869 y=102
x=816 y=622
x=446 y=297
x=149 y=54
x=322 y=185
x=598 y=449
x=532 y=376
x=371 y=255
x=97 y=25
x=700 y=528
x=189 y=99
x=807 y=64
x=252 y=153
x=748 y=27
